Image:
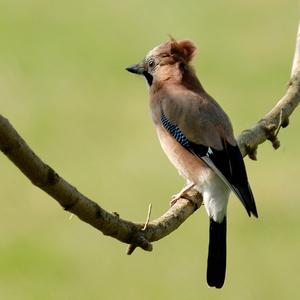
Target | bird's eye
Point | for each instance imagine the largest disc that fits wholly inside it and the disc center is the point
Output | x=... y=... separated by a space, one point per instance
x=151 y=63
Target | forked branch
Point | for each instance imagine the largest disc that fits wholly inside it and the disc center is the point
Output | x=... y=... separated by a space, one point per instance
x=136 y=234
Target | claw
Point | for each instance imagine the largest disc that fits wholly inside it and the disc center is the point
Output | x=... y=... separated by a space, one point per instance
x=181 y=194
x=175 y=198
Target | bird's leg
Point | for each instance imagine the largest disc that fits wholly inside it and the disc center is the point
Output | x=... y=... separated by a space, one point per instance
x=181 y=193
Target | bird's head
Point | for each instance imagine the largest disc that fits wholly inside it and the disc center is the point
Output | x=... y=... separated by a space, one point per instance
x=161 y=61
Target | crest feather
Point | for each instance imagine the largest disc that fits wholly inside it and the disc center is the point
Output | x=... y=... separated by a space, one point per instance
x=185 y=49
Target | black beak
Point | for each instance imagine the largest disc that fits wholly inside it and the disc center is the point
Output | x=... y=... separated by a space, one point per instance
x=136 y=69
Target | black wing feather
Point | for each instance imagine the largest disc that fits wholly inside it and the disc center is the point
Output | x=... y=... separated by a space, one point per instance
x=227 y=163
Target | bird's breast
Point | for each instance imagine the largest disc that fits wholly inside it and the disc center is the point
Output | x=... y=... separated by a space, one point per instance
x=188 y=165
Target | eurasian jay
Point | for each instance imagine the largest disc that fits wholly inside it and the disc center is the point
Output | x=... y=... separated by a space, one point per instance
x=197 y=136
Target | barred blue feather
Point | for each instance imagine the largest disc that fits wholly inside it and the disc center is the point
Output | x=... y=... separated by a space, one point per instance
x=174 y=131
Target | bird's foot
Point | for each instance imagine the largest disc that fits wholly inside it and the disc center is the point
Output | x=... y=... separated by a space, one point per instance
x=181 y=194
x=175 y=198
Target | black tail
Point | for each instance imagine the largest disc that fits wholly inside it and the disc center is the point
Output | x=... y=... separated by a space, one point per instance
x=216 y=262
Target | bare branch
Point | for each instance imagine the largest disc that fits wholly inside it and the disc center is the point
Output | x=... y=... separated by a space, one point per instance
x=44 y=177
x=268 y=127
x=136 y=234
x=296 y=60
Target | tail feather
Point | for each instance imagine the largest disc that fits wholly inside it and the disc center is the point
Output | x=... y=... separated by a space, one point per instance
x=216 y=262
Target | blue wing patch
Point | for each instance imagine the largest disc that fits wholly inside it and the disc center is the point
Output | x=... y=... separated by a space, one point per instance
x=174 y=131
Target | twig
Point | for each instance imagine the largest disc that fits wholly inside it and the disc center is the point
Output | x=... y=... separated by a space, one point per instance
x=296 y=60
x=279 y=124
x=132 y=247
x=148 y=217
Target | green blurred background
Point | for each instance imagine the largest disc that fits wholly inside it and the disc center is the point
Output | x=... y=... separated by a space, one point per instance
x=64 y=87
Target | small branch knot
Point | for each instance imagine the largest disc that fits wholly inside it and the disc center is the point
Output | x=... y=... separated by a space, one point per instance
x=116 y=214
x=251 y=151
x=271 y=134
x=275 y=142
x=139 y=241
x=272 y=130
x=285 y=122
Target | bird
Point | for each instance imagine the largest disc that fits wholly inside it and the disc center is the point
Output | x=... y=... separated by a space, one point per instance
x=197 y=137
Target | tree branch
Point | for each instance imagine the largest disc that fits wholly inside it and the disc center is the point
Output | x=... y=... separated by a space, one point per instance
x=44 y=177
x=268 y=127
